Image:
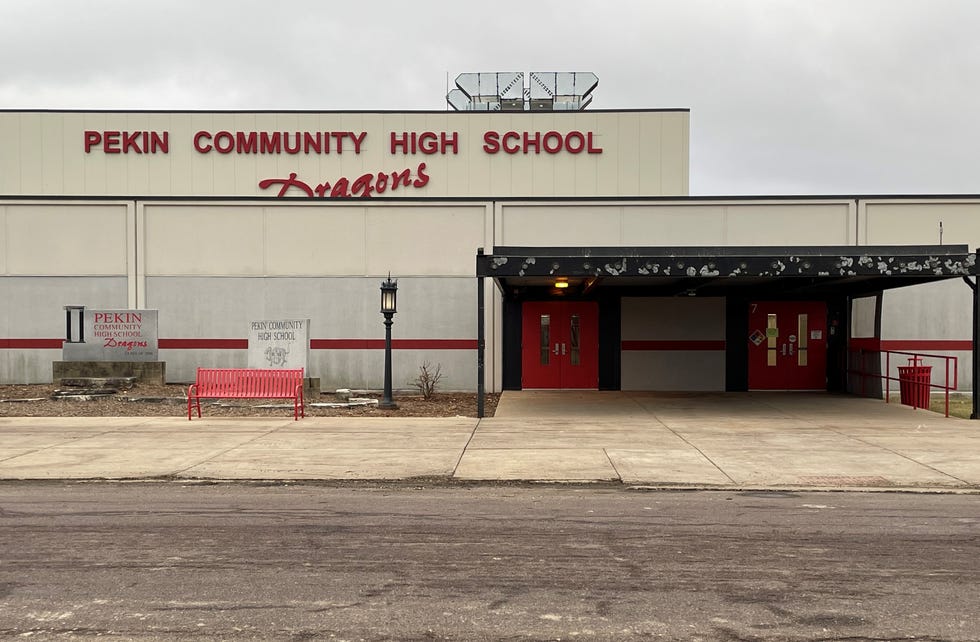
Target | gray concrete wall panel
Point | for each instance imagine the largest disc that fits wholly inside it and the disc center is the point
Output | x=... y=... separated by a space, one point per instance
x=677 y=318
x=680 y=370
x=655 y=333
x=364 y=369
x=940 y=313
x=863 y=312
x=340 y=309
x=940 y=310
x=33 y=309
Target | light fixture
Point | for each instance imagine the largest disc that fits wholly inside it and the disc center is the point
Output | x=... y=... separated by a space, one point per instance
x=389 y=299
x=561 y=284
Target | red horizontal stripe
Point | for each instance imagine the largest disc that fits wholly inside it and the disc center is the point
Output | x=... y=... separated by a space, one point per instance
x=242 y=344
x=858 y=343
x=325 y=344
x=674 y=345
x=926 y=344
x=396 y=344
x=347 y=344
x=203 y=344
x=435 y=344
x=910 y=345
x=31 y=344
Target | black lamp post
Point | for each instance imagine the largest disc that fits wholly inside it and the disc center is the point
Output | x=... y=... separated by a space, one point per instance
x=389 y=297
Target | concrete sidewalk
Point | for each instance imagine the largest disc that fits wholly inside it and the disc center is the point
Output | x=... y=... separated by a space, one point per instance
x=737 y=440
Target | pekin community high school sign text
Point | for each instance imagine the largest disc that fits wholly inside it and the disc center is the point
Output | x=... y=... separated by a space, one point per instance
x=425 y=143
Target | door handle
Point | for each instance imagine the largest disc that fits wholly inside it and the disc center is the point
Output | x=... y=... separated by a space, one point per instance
x=563 y=349
x=556 y=349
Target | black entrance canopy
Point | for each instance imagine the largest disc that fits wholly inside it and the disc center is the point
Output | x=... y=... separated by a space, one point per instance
x=763 y=271
x=719 y=271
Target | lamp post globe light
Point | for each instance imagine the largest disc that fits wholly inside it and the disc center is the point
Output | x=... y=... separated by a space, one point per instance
x=389 y=298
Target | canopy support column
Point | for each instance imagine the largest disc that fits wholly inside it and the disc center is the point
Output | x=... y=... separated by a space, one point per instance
x=480 y=342
x=976 y=336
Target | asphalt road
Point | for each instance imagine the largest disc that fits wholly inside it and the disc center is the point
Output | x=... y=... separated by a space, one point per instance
x=232 y=561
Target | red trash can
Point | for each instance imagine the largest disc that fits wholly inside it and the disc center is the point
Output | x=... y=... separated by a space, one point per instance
x=914 y=383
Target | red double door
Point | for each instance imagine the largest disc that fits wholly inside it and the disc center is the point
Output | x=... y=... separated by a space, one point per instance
x=560 y=344
x=788 y=345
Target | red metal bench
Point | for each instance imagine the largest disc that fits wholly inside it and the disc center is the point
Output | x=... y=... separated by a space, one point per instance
x=247 y=383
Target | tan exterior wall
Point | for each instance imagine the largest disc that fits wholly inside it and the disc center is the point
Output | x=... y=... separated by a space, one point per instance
x=916 y=222
x=644 y=153
x=749 y=223
x=311 y=240
x=59 y=238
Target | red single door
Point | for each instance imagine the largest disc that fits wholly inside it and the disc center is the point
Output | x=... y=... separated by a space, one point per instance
x=560 y=344
x=788 y=345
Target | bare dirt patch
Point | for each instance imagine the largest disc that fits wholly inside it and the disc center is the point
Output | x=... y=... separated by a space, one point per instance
x=144 y=400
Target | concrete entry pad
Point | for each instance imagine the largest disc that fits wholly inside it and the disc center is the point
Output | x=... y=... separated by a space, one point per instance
x=564 y=404
x=764 y=409
x=755 y=439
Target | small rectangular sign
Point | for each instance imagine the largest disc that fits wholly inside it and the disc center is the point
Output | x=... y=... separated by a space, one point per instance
x=279 y=343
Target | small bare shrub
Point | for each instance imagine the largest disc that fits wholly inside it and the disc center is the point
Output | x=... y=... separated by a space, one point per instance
x=428 y=379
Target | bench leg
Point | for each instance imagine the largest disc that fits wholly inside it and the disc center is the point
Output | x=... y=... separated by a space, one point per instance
x=192 y=403
x=299 y=404
x=192 y=398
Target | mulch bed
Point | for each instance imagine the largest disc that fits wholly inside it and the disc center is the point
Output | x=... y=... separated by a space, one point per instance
x=143 y=400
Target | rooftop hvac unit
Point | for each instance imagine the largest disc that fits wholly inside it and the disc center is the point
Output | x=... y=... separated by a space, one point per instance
x=505 y=91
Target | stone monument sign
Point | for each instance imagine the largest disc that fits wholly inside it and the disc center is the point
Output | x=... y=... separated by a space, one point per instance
x=279 y=344
x=109 y=344
x=111 y=335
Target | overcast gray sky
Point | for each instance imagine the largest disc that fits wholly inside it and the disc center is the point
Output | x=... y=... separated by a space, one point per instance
x=786 y=97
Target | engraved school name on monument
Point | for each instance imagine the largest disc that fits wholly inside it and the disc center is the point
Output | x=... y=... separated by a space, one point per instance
x=277 y=330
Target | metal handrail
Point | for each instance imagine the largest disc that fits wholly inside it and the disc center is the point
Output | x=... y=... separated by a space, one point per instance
x=915 y=357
